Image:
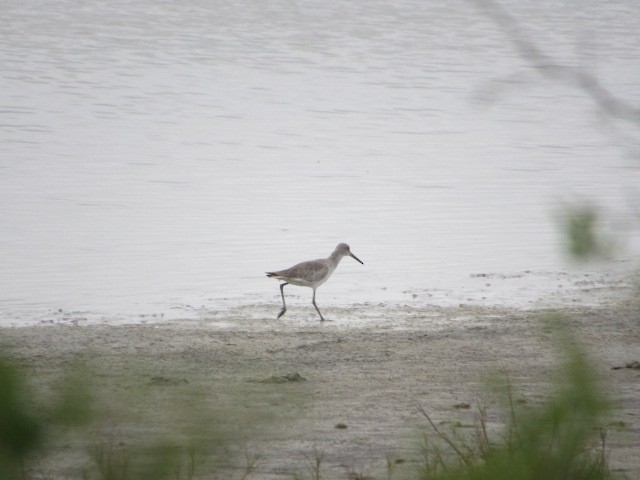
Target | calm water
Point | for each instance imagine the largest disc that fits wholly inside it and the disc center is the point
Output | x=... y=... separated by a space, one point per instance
x=155 y=154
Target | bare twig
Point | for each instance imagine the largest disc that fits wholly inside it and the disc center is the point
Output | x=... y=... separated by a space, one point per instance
x=481 y=431
x=446 y=438
x=251 y=462
x=550 y=68
x=514 y=423
x=315 y=463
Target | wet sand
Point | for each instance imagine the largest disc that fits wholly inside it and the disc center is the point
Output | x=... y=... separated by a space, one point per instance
x=356 y=404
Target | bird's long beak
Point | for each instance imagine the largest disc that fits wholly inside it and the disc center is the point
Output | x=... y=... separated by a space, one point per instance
x=351 y=254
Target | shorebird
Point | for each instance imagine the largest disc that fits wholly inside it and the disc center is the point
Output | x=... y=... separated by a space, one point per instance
x=312 y=273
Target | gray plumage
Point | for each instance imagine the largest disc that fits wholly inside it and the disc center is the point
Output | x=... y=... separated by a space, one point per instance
x=312 y=273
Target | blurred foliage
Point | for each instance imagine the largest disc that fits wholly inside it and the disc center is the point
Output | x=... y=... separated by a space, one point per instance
x=554 y=441
x=584 y=233
x=20 y=428
x=100 y=432
x=27 y=421
x=122 y=462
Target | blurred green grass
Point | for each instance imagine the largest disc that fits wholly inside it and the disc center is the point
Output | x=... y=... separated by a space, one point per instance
x=562 y=439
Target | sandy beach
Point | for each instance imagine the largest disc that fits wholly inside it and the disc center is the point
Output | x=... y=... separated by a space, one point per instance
x=356 y=403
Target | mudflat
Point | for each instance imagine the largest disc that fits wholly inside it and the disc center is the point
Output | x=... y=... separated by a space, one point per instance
x=279 y=397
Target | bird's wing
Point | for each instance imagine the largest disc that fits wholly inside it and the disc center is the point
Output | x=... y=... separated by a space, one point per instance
x=312 y=271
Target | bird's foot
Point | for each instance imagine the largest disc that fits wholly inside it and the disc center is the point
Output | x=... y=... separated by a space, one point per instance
x=282 y=312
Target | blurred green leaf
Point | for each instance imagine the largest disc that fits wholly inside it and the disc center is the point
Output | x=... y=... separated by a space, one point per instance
x=20 y=430
x=584 y=233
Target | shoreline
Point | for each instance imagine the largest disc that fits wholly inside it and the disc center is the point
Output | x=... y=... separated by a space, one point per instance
x=522 y=291
x=368 y=377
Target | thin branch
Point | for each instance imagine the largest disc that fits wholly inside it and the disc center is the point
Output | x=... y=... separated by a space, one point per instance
x=514 y=422
x=444 y=437
x=549 y=68
x=481 y=431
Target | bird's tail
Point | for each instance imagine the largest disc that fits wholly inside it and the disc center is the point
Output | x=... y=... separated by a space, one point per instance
x=271 y=274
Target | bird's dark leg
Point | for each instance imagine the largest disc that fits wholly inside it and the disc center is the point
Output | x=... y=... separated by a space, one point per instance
x=314 y=304
x=284 y=305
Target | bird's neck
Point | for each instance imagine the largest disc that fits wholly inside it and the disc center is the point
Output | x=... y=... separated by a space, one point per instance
x=335 y=258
